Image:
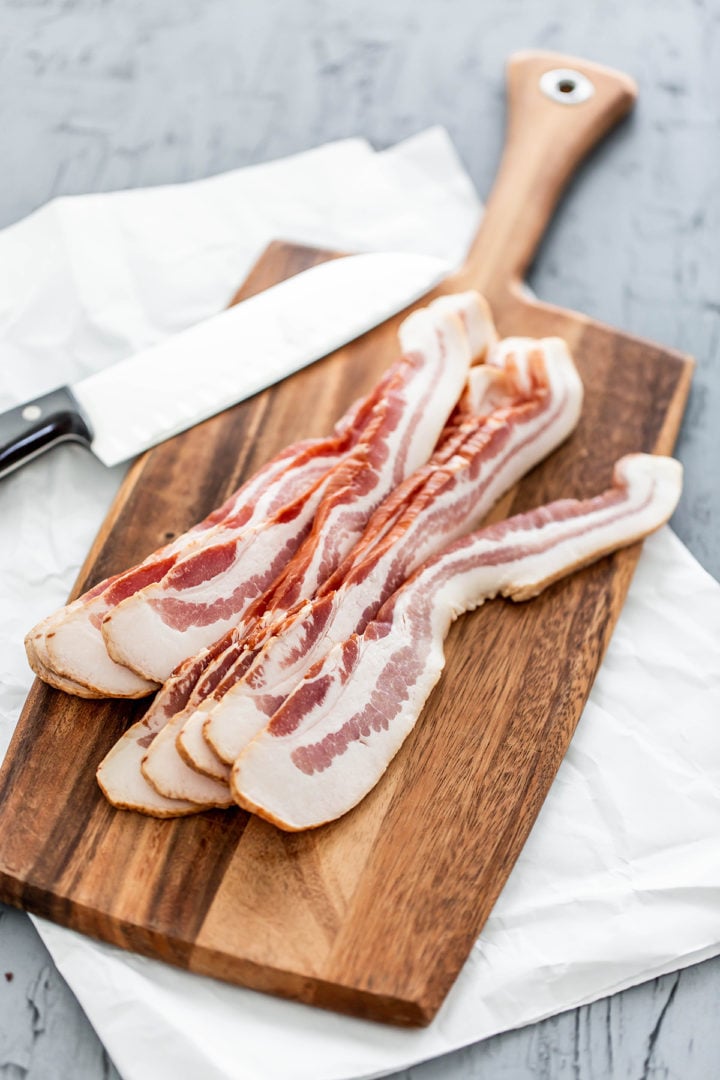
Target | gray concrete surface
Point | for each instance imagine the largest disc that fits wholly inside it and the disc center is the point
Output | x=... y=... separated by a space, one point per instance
x=101 y=94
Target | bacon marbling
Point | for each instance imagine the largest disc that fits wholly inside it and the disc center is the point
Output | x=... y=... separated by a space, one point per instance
x=67 y=648
x=488 y=389
x=536 y=409
x=335 y=735
x=453 y=331
x=156 y=628
x=215 y=671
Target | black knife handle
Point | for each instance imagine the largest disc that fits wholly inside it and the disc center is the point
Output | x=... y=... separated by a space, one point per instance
x=32 y=428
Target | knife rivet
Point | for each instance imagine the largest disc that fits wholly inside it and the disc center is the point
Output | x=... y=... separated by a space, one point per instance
x=31 y=412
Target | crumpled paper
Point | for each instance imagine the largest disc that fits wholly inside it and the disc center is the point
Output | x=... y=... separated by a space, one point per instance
x=620 y=878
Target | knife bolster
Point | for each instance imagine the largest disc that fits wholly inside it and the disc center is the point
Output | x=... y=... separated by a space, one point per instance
x=38 y=425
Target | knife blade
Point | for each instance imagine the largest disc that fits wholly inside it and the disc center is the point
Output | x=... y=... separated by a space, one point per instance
x=138 y=402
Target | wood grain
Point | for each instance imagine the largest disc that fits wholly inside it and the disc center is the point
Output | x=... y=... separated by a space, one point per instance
x=375 y=913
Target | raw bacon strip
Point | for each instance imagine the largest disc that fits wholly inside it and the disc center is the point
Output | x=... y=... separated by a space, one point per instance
x=541 y=393
x=76 y=627
x=170 y=773
x=120 y=773
x=176 y=780
x=510 y=383
x=477 y=320
x=68 y=648
x=204 y=595
x=454 y=499
x=196 y=678
x=123 y=784
x=331 y=741
x=213 y=662
x=193 y=747
x=380 y=463
x=38 y=664
x=162 y=766
x=488 y=388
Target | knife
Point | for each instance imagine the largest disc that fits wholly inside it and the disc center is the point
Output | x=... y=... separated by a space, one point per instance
x=168 y=387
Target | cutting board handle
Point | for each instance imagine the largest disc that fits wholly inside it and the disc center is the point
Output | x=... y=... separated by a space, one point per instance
x=558 y=108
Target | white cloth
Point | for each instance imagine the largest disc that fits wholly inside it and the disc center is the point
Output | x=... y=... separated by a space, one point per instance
x=620 y=878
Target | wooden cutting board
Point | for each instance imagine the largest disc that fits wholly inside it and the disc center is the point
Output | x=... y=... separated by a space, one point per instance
x=375 y=914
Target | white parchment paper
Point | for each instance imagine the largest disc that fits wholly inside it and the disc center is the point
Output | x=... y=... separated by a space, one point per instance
x=620 y=878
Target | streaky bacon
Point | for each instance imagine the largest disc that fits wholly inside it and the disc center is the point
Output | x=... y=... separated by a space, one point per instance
x=120 y=773
x=182 y=723
x=205 y=594
x=476 y=334
x=67 y=649
x=175 y=715
x=38 y=660
x=197 y=677
x=487 y=389
x=536 y=395
x=332 y=739
x=540 y=408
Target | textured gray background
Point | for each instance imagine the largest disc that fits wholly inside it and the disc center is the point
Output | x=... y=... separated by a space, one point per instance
x=102 y=94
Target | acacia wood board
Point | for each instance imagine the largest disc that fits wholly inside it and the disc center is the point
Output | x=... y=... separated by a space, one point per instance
x=374 y=914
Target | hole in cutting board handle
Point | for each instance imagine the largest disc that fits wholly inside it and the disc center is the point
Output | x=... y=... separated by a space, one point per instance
x=566 y=86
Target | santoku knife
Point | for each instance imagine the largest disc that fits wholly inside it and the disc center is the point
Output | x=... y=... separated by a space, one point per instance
x=167 y=388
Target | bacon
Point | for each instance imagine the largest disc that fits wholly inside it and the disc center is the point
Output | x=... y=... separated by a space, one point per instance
x=122 y=782
x=161 y=765
x=192 y=746
x=171 y=778
x=219 y=668
x=208 y=592
x=120 y=774
x=267 y=615
x=198 y=677
x=536 y=394
x=458 y=324
x=541 y=403
x=67 y=648
x=38 y=659
x=332 y=739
